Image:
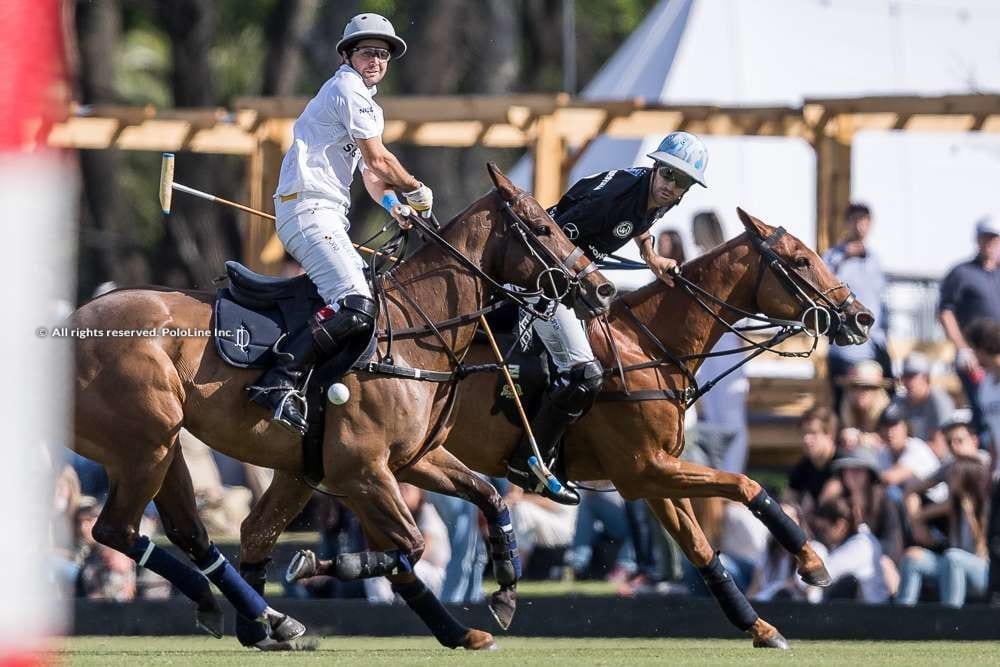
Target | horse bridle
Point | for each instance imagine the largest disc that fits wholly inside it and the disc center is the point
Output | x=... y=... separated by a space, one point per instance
x=553 y=265
x=833 y=315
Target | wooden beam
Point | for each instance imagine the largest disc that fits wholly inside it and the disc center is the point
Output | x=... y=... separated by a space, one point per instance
x=549 y=152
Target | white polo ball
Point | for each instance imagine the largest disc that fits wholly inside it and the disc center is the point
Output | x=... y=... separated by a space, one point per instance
x=338 y=393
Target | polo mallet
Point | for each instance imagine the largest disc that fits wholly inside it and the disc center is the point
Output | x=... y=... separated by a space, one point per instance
x=167 y=186
x=535 y=461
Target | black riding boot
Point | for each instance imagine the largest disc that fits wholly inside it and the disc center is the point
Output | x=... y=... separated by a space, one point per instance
x=278 y=390
x=567 y=399
x=339 y=339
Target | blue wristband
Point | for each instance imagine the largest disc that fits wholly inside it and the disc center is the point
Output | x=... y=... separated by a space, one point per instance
x=389 y=199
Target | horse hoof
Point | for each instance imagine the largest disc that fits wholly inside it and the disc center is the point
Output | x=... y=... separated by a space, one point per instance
x=211 y=621
x=776 y=640
x=284 y=628
x=478 y=640
x=811 y=568
x=303 y=565
x=301 y=644
x=503 y=604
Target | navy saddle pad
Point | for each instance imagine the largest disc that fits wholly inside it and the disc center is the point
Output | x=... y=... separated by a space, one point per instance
x=256 y=310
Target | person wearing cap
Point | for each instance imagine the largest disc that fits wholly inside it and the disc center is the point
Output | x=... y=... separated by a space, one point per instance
x=600 y=214
x=865 y=398
x=923 y=406
x=906 y=458
x=970 y=291
x=854 y=263
x=338 y=132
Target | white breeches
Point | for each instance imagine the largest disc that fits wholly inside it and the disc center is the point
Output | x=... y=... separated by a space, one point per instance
x=565 y=338
x=314 y=231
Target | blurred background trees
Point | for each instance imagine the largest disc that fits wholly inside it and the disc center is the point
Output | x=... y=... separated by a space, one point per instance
x=205 y=53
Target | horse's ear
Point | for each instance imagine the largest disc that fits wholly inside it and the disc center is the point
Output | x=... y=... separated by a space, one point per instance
x=753 y=225
x=507 y=189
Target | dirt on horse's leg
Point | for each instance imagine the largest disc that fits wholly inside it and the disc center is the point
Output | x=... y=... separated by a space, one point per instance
x=675 y=478
x=175 y=502
x=440 y=471
x=677 y=517
x=282 y=502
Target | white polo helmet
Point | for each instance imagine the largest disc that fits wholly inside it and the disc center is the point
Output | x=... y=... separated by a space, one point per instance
x=684 y=152
x=371 y=26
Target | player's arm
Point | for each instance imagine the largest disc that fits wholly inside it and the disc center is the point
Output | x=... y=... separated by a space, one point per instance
x=390 y=171
x=385 y=196
x=662 y=267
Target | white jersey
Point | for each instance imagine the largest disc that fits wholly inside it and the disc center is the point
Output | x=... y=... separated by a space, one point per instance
x=324 y=151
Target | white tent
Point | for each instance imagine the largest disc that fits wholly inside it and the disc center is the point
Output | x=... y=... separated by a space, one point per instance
x=926 y=191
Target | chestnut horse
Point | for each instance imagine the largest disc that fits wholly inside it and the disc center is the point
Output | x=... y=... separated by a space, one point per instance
x=133 y=395
x=659 y=334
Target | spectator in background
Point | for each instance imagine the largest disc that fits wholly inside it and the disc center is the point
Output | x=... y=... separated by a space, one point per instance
x=905 y=459
x=865 y=398
x=964 y=564
x=854 y=263
x=855 y=556
x=725 y=407
x=923 y=406
x=463 y=579
x=670 y=244
x=856 y=480
x=806 y=481
x=971 y=291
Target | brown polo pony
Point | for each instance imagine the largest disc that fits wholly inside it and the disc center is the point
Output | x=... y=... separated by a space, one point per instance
x=134 y=394
x=636 y=443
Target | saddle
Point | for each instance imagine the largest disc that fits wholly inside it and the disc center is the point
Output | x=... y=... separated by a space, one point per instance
x=528 y=363
x=255 y=311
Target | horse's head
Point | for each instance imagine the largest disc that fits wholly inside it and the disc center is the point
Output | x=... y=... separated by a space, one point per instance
x=541 y=255
x=793 y=283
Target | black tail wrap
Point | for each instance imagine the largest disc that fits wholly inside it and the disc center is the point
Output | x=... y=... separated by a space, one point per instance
x=250 y=632
x=787 y=532
x=446 y=629
x=734 y=604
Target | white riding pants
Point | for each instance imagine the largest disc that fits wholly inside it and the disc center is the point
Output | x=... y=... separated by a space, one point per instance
x=314 y=232
x=565 y=338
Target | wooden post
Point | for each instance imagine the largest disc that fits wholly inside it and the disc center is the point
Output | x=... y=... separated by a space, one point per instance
x=833 y=179
x=264 y=167
x=549 y=157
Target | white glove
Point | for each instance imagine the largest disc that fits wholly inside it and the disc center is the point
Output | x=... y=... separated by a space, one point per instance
x=421 y=199
x=966 y=359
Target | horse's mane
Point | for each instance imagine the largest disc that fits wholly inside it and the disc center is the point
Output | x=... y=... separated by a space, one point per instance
x=691 y=269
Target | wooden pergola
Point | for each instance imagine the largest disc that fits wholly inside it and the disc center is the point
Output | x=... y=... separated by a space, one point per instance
x=556 y=128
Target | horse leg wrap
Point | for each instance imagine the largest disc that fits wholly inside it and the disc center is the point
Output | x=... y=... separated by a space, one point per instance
x=785 y=531
x=187 y=580
x=367 y=564
x=503 y=550
x=252 y=631
x=734 y=604
x=448 y=631
x=220 y=572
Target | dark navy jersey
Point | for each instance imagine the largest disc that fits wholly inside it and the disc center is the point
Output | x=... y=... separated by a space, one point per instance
x=601 y=213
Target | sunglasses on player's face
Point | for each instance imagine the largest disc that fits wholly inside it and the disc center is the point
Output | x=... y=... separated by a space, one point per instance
x=682 y=180
x=372 y=52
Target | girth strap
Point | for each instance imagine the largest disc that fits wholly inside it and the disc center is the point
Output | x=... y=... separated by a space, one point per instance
x=639 y=395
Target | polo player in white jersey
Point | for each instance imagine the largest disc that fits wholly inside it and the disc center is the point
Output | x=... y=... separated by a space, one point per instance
x=339 y=130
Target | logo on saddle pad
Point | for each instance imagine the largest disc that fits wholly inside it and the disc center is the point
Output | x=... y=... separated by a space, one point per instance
x=623 y=229
x=242 y=340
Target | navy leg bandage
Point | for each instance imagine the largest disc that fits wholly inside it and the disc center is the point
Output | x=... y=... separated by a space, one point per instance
x=448 y=631
x=220 y=572
x=503 y=550
x=248 y=631
x=734 y=604
x=187 y=580
x=785 y=531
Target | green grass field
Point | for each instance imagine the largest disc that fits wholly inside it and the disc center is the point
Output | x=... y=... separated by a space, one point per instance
x=206 y=652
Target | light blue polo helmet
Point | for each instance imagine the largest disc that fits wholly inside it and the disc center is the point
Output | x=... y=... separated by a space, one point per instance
x=684 y=152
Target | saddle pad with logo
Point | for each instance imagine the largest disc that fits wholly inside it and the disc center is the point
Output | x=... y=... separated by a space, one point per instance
x=529 y=368
x=244 y=337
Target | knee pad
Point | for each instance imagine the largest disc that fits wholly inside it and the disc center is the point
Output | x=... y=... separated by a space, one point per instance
x=577 y=390
x=349 y=327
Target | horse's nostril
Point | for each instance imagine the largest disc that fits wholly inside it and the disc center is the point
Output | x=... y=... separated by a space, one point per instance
x=606 y=290
x=865 y=320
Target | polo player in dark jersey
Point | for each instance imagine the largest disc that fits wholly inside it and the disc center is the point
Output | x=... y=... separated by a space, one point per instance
x=600 y=214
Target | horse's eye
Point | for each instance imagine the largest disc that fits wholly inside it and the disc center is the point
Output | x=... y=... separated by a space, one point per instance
x=542 y=230
x=801 y=262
